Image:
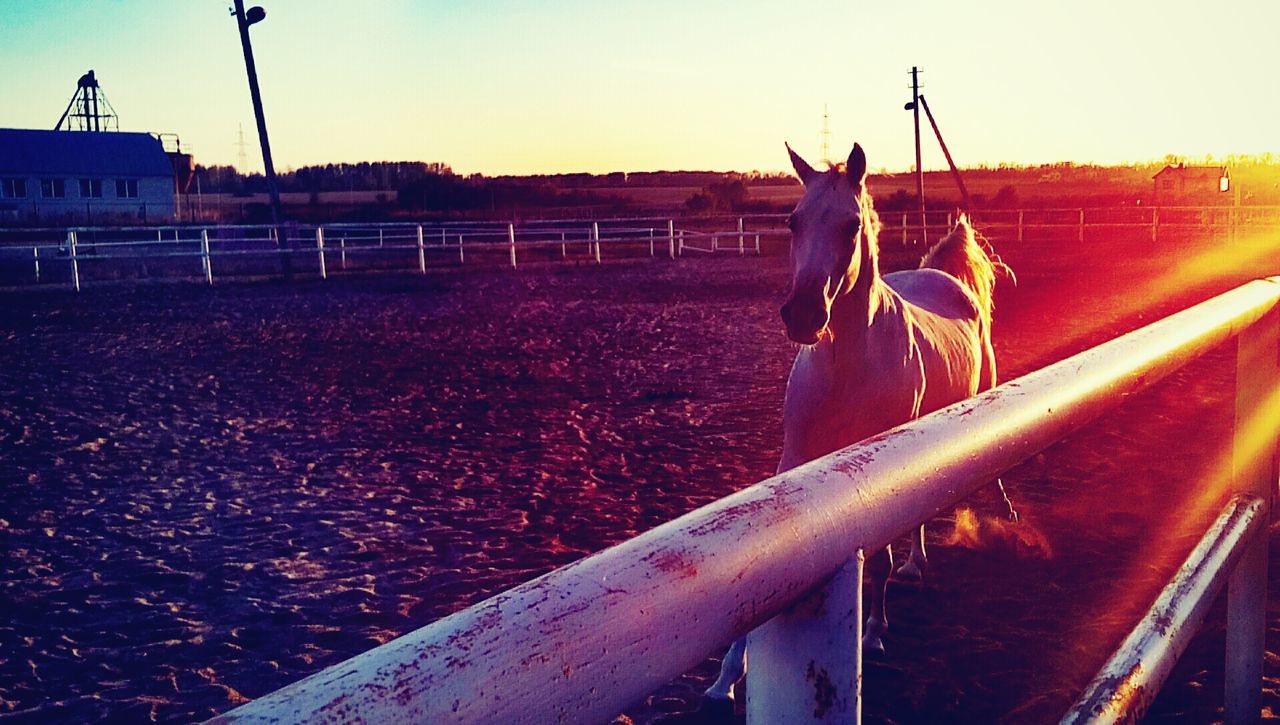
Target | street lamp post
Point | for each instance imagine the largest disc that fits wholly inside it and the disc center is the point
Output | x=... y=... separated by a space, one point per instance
x=244 y=20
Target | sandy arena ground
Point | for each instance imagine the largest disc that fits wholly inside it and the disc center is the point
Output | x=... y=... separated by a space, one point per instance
x=208 y=494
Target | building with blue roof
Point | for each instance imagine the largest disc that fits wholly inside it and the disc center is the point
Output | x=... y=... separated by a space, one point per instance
x=65 y=177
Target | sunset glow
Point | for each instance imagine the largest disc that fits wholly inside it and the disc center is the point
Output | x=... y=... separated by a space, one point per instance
x=361 y=356
x=500 y=87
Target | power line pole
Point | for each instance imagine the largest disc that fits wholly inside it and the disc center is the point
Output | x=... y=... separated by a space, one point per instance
x=914 y=107
x=244 y=20
x=955 y=173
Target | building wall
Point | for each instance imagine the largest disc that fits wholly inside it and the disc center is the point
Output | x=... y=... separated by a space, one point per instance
x=1184 y=186
x=155 y=201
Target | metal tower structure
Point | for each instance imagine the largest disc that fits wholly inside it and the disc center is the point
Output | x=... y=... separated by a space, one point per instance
x=89 y=109
x=826 y=135
x=242 y=164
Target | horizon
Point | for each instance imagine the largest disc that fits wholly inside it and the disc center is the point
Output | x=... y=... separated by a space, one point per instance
x=506 y=90
x=1263 y=159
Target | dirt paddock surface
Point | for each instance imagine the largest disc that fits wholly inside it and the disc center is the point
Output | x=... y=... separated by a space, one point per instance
x=206 y=494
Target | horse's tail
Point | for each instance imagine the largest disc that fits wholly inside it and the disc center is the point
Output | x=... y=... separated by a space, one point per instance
x=967 y=256
x=963 y=254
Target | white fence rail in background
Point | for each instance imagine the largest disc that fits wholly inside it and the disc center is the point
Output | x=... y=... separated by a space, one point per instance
x=429 y=247
x=54 y=255
x=782 y=560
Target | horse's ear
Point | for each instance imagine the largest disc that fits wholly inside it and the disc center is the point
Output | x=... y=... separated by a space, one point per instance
x=857 y=165
x=802 y=167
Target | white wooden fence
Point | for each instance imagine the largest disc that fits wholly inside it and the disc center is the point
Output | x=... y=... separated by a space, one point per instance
x=347 y=248
x=55 y=256
x=782 y=562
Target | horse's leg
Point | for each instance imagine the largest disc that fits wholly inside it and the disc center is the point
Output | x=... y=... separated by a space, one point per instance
x=987 y=381
x=734 y=664
x=732 y=668
x=879 y=566
x=913 y=568
x=1013 y=514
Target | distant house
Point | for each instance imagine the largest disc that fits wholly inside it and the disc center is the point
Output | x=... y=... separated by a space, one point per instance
x=86 y=177
x=1184 y=183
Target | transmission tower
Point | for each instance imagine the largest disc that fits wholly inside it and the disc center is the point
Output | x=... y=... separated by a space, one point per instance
x=826 y=135
x=242 y=164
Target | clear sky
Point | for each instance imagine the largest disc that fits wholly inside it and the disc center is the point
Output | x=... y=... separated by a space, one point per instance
x=590 y=85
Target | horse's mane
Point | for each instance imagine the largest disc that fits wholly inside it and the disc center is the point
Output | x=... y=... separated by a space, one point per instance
x=867 y=210
x=870 y=229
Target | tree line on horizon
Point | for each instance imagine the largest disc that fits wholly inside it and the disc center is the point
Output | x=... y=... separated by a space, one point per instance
x=413 y=186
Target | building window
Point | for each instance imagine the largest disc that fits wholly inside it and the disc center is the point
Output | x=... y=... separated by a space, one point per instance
x=127 y=188
x=13 y=188
x=91 y=188
x=53 y=188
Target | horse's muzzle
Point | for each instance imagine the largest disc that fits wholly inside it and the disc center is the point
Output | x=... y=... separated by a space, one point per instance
x=805 y=319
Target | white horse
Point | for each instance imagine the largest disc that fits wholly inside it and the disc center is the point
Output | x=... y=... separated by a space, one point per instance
x=877 y=351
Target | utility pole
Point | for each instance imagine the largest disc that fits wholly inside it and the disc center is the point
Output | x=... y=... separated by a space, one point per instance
x=244 y=20
x=914 y=106
x=955 y=173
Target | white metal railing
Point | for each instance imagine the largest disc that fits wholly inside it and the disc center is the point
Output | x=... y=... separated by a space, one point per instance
x=42 y=250
x=1131 y=679
x=442 y=245
x=782 y=560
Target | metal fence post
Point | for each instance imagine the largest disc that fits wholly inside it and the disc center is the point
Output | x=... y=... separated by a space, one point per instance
x=1020 y=212
x=1254 y=469
x=741 y=238
x=208 y=263
x=564 y=248
x=680 y=245
x=324 y=273
x=35 y=252
x=461 y=257
x=671 y=237
x=904 y=230
x=422 y=252
x=1155 y=222
x=1080 y=238
x=342 y=251
x=651 y=247
x=511 y=237
x=75 y=263
x=757 y=244
x=806 y=663
x=595 y=236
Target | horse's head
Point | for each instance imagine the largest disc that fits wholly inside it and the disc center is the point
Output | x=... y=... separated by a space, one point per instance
x=826 y=229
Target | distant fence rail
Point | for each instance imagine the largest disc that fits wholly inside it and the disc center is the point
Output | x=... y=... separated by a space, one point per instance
x=79 y=255
x=42 y=256
x=781 y=561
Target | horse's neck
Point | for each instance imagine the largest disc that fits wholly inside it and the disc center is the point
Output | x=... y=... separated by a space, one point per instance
x=857 y=315
x=853 y=313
